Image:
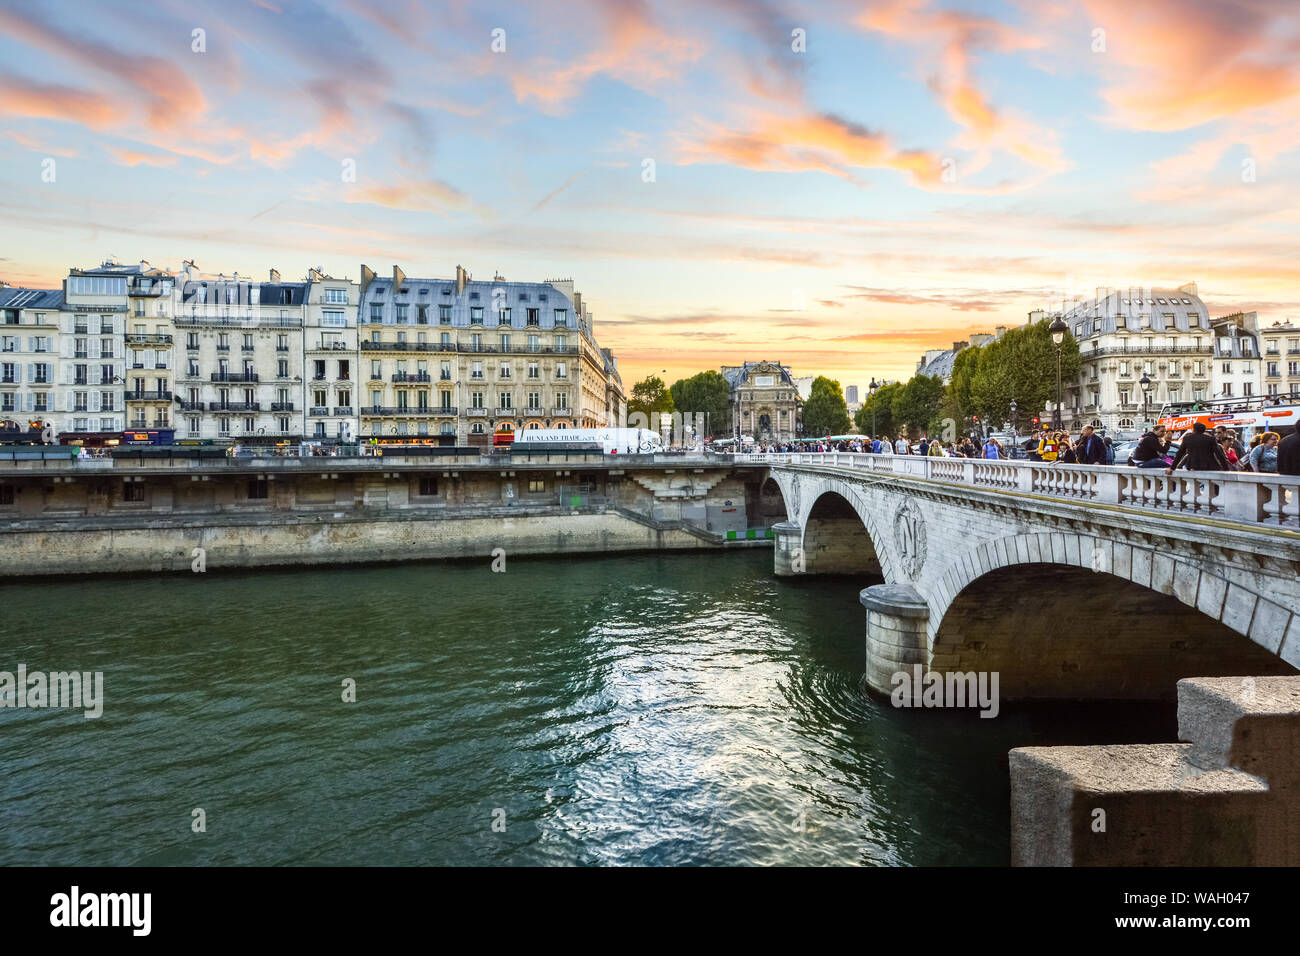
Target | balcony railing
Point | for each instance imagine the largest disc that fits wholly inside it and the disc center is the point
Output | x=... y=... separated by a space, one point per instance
x=403 y=377
x=506 y=411
x=476 y=412
x=492 y=349
x=318 y=411
x=282 y=406
x=561 y=413
x=147 y=338
x=188 y=406
x=236 y=406
x=343 y=410
x=234 y=377
x=145 y=395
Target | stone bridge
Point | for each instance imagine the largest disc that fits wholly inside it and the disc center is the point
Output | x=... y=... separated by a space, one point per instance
x=1069 y=581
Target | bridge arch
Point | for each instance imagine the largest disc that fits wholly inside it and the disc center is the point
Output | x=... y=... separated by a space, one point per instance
x=1076 y=616
x=837 y=535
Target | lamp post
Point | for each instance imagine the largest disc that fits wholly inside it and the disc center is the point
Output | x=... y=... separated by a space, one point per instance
x=871 y=395
x=1058 y=328
x=1145 y=382
x=1013 y=418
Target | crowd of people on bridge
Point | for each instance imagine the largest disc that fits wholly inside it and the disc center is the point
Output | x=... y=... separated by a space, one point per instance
x=1198 y=450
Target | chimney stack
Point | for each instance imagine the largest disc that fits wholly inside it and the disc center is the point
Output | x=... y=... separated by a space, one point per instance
x=275 y=276
x=399 y=277
x=462 y=279
x=367 y=277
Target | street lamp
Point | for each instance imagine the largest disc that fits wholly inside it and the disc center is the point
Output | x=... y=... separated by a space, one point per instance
x=1013 y=418
x=1058 y=328
x=1145 y=382
x=871 y=394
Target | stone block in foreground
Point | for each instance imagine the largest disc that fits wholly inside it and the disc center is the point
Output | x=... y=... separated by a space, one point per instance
x=1226 y=797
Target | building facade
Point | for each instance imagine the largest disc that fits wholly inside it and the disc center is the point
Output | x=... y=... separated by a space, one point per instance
x=30 y=397
x=1237 y=362
x=242 y=378
x=1281 y=361
x=765 y=402
x=1124 y=335
x=449 y=360
x=329 y=393
x=92 y=342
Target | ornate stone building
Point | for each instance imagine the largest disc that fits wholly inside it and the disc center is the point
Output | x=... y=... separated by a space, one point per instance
x=765 y=401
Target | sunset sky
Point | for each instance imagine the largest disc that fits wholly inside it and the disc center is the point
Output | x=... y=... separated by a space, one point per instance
x=922 y=170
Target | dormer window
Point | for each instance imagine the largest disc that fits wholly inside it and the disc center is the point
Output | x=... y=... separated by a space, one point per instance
x=446 y=292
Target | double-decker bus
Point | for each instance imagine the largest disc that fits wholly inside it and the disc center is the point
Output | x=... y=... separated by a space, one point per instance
x=1247 y=416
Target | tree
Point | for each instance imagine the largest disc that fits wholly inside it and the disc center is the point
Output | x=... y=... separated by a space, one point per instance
x=705 y=393
x=825 y=412
x=649 y=397
x=882 y=403
x=917 y=403
x=1020 y=366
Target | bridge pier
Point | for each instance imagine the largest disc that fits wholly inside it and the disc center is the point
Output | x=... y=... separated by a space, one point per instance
x=787 y=550
x=897 y=640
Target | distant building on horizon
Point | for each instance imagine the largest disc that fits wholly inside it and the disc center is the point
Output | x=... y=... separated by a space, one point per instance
x=765 y=401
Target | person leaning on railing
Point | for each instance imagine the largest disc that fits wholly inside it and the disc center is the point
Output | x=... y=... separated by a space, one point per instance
x=1263 y=458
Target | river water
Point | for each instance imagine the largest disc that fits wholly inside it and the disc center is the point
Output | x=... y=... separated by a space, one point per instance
x=638 y=709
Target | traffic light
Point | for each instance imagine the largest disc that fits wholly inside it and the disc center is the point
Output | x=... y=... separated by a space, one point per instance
x=1035 y=419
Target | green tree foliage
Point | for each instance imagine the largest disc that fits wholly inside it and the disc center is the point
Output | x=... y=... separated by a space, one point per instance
x=706 y=392
x=648 y=397
x=825 y=412
x=918 y=402
x=883 y=403
x=1021 y=366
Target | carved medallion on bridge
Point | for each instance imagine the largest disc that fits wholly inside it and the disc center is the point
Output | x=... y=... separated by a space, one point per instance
x=794 y=496
x=909 y=538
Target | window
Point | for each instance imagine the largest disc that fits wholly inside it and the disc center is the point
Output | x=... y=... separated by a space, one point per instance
x=534 y=400
x=336 y=297
x=192 y=423
x=476 y=341
x=536 y=485
x=401 y=313
x=507 y=399
x=1247 y=389
x=561 y=317
x=1227 y=390
x=444 y=371
x=561 y=370
x=428 y=486
x=249 y=425
x=505 y=371
x=257 y=488
x=477 y=428
x=6 y=494
x=505 y=341
x=561 y=343
x=476 y=399
x=133 y=491
x=223 y=425
x=503 y=316
x=561 y=399
x=476 y=315
x=476 y=371
x=533 y=370
x=1227 y=368
x=444 y=315
x=376 y=312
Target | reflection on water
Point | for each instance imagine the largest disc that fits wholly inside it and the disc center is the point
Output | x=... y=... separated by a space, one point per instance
x=642 y=709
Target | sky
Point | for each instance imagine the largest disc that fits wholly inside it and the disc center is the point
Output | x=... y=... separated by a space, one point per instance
x=835 y=185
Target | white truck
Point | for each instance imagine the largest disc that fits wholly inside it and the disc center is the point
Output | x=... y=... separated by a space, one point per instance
x=614 y=441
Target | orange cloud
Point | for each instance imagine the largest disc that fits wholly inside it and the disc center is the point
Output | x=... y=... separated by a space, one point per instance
x=171 y=98
x=1182 y=65
x=813 y=141
x=952 y=39
x=21 y=97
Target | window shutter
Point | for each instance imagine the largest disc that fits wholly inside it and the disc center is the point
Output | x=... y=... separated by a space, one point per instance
x=31 y=372
x=94 y=401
